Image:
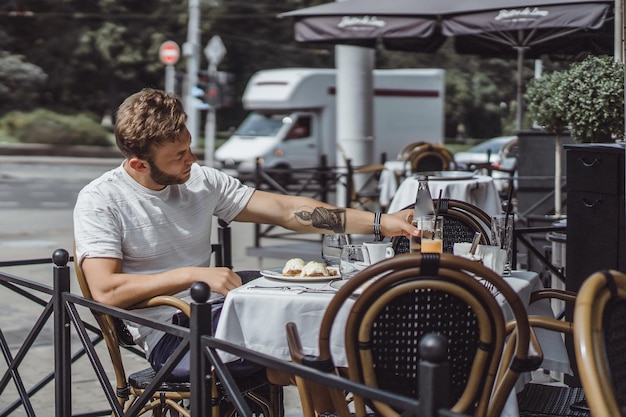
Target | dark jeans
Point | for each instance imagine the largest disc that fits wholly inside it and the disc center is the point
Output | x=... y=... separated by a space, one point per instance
x=168 y=343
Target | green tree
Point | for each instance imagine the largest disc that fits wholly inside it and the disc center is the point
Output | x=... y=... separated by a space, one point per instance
x=595 y=99
x=20 y=83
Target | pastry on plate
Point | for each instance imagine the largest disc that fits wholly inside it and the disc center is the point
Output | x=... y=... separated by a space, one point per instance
x=293 y=267
x=314 y=269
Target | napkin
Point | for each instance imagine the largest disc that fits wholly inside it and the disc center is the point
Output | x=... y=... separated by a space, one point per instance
x=493 y=257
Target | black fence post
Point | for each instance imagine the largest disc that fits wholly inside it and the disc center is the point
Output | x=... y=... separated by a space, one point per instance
x=434 y=375
x=257 y=184
x=62 y=354
x=324 y=178
x=349 y=182
x=200 y=324
x=224 y=237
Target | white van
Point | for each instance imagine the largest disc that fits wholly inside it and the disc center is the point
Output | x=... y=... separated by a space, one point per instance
x=292 y=116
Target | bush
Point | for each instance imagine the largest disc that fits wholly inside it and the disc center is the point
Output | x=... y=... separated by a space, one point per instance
x=588 y=97
x=44 y=126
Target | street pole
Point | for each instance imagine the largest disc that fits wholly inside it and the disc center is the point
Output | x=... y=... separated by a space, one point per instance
x=191 y=51
x=170 y=78
x=214 y=52
x=209 y=125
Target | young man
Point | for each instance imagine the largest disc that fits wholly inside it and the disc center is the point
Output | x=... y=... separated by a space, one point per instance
x=143 y=229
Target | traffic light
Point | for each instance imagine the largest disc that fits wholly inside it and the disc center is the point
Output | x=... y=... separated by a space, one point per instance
x=226 y=82
x=219 y=90
x=213 y=95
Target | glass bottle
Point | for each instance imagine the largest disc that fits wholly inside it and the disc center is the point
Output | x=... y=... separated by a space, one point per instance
x=423 y=200
x=424 y=206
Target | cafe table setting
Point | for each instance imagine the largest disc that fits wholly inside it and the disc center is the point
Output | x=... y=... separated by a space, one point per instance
x=254 y=316
x=472 y=188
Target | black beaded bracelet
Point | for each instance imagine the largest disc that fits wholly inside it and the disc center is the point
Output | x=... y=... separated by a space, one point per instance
x=377 y=231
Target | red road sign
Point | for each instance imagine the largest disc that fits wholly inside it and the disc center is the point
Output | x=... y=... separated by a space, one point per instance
x=169 y=52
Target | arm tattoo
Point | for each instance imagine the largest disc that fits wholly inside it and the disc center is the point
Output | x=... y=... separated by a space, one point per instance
x=323 y=218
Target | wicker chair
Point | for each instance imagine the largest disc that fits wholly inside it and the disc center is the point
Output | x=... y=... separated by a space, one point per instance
x=548 y=400
x=429 y=157
x=411 y=295
x=461 y=221
x=170 y=397
x=600 y=342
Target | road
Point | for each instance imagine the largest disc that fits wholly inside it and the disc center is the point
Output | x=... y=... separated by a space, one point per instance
x=37 y=196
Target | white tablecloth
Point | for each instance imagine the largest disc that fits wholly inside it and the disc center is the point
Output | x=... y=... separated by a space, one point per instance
x=256 y=319
x=480 y=191
x=388 y=180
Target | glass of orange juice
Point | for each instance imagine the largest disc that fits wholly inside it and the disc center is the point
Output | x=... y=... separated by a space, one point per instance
x=430 y=239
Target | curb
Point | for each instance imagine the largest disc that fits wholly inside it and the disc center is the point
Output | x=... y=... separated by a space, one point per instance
x=37 y=149
x=75 y=151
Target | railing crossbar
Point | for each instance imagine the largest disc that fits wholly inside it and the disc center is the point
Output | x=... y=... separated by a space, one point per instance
x=212 y=344
x=96 y=364
x=160 y=376
x=228 y=383
x=26 y=345
x=19 y=385
x=519 y=236
x=25 y=293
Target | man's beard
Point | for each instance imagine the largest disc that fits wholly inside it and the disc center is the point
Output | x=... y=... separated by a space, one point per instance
x=163 y=178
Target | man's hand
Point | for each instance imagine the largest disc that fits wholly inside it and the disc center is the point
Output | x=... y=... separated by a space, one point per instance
x=398 y=224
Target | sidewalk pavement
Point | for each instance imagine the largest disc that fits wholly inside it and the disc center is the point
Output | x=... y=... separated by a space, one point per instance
x=30 y=234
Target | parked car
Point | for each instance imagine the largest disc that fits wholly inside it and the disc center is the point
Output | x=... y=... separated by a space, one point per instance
x=496 y=155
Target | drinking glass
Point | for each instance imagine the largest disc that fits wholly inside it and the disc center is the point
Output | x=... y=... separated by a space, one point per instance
x=430 y=239
x=332 y=246
x=502 y=237
x=353 y=260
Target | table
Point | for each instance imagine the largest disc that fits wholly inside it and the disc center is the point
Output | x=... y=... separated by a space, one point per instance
x=388 y=180
x=479 y=190
x=256 y=319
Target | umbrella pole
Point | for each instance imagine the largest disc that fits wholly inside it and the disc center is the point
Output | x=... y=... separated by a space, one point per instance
x=520 y=67
x=557 y=176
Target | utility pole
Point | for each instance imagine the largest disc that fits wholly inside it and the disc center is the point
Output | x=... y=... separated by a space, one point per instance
x=214 y=52
x=191 y=50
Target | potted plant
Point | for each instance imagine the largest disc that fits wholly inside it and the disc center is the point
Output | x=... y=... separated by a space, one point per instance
x=588 y=98
x=546 y=104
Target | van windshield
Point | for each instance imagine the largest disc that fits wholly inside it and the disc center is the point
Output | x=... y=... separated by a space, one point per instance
x=261 y=124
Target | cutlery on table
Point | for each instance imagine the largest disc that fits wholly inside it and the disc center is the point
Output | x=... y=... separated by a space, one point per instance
x=292 y=288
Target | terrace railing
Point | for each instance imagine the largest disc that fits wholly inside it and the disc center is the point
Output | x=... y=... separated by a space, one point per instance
x=63 y=307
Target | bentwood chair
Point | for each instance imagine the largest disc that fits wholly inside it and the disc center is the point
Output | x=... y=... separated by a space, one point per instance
x=424 y=156
x=407 y=296
x=173 y=396
x=461 y=221
x=600 y=342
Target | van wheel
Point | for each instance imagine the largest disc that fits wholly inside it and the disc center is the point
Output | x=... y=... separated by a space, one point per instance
x=282 y=175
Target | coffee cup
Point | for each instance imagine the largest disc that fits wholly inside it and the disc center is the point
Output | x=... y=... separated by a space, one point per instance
x=377 y=251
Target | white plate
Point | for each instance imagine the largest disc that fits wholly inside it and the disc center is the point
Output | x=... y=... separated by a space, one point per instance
x=277 y=273
x=447 y=175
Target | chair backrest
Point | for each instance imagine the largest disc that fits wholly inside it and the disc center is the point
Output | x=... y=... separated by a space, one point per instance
x=600 y=342
x=408 y=296
x=429 y=157
x=116 y=335
x=461 y=221
x=107 y=327
x=362 y=184
x=402 y=155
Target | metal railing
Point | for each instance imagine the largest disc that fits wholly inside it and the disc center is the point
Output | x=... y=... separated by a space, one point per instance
x=62 y=308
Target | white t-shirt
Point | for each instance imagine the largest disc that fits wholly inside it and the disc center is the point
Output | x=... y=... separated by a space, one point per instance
x=154 y=231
